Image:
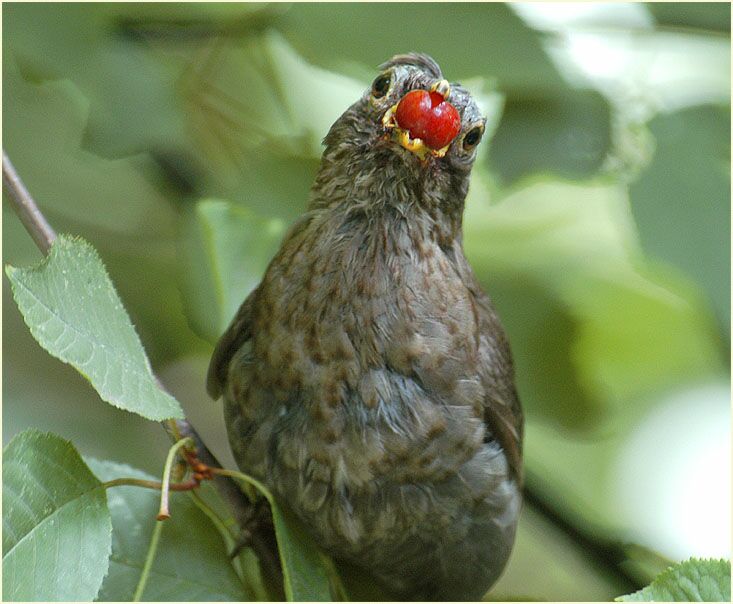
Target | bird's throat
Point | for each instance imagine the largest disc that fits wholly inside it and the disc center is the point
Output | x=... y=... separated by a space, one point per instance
x=382 y=185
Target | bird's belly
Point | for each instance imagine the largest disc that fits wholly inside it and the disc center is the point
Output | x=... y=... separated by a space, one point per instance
x=408 y=490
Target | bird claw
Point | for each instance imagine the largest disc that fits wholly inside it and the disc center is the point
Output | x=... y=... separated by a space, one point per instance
x=249 y=525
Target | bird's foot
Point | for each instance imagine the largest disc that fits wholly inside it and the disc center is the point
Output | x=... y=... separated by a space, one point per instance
x=259 y=513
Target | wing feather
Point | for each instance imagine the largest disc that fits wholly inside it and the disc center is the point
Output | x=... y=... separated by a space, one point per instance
x=502 y=408
x=238 y=332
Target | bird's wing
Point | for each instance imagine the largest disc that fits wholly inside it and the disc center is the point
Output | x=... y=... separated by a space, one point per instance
x=238 y=332
x=502 y=409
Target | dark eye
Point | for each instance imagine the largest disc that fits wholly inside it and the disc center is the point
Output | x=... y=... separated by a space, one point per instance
x=472 y=138
x=380 y=87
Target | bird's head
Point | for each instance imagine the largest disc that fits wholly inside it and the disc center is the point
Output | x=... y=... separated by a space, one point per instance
x=412 y=131
x=423 y=112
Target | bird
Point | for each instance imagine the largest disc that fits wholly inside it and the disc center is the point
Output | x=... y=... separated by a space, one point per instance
x=367 y=380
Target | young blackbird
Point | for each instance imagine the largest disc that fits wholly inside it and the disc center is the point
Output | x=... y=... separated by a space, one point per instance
x=367 y=380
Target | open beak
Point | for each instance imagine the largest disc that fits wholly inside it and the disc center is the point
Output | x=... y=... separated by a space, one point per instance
x=403 y=136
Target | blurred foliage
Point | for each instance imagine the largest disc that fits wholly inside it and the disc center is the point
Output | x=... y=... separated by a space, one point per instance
x=707 y=15
x=682 y=198
x=181 y=140
x=216 y=236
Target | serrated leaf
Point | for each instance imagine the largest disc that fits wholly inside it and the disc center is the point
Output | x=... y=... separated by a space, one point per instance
x=224 y=251
x=73 y=311
x=56 y=526
x=690 y=581
x=191 y=561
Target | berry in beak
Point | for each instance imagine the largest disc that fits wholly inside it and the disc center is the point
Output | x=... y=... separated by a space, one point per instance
x=424 y=122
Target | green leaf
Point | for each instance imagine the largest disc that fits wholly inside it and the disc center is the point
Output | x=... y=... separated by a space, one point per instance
x=690 y=581
x=258 y=112
x=224 y=250
x=73 y=311
x=211 y=502
x=534 y=132
x=305 y=567
x=109 y=51
x=56 y=526
x=260 y=90
x=501 y=45
x=699 y=15
x=191 y=562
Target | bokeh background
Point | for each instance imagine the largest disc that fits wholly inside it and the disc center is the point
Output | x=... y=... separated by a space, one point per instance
x=181 y=140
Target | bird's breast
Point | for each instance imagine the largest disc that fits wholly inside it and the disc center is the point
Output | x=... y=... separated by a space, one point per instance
x=341 y=304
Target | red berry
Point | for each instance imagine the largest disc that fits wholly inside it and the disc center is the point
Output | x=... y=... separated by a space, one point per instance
x=428 y=116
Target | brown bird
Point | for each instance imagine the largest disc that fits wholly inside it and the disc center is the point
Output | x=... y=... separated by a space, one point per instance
x=367 y=380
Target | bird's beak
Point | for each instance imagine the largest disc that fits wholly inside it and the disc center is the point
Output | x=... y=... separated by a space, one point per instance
x=402 y=135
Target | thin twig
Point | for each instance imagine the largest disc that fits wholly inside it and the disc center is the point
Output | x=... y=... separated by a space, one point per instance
x=262 y=541
x=606 y=555
x=26 y=209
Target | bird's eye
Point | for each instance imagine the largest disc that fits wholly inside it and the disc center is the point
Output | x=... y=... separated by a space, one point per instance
x=472 y=138
x=380 y=87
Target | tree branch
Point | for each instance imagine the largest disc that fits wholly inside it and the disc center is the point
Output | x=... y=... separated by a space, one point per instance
x=605 y=555
x=26 y=209
x=261 y=537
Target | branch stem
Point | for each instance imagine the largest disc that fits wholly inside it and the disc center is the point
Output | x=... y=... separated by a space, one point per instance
x=26 y=209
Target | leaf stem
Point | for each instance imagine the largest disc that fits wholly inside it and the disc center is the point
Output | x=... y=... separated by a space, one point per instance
x=163 y=513
x=149 y=558
x=26 y=209
x=244 y=477
x=150 y=484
